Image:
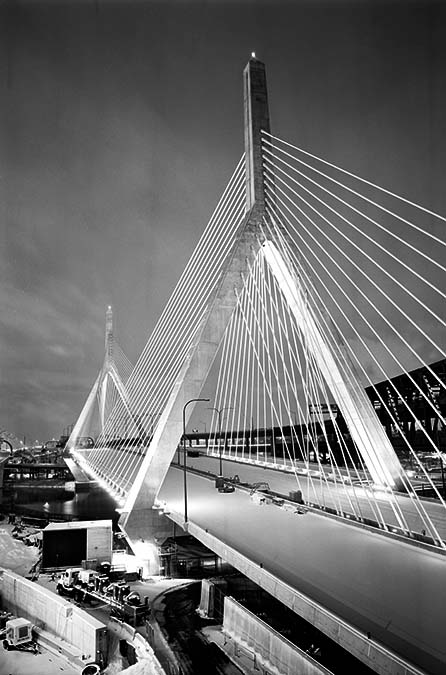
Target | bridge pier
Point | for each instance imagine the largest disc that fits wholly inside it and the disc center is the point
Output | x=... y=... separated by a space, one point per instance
x=145 y=530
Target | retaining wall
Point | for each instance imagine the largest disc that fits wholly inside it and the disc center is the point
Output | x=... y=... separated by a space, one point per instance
x=51 y=613
x=270 y=649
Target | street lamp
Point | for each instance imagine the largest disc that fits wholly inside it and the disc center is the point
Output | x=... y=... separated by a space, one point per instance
x=192 y=400
x=219 y=412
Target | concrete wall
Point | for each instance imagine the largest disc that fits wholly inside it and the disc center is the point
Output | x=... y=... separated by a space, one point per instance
x=145 y=653
x=99 y=543
x=271 y=650
x=52 y=613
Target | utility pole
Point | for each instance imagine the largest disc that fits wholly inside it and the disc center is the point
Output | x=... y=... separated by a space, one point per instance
x=192 y=400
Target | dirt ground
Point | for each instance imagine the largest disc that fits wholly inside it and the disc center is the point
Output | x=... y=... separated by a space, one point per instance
x=14 y=554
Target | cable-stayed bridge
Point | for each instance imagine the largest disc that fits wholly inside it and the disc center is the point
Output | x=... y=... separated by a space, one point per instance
x=308 y=287
x=108 y=390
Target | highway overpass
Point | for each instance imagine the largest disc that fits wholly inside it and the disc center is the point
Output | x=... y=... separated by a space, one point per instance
x=382 y=598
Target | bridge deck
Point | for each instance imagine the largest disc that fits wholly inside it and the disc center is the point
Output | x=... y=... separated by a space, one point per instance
x=79 y=475
x=392 y=589
x=331 y=494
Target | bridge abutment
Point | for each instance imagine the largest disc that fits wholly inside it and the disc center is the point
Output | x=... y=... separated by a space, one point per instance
x=145 y=530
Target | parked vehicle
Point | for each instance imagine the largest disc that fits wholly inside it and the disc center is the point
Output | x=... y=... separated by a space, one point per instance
x=261 y=486
x=226 y=487
x=68 y=580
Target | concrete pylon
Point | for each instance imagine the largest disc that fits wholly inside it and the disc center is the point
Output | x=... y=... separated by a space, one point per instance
x=138 y=519
x=362 y=421
x=109 y=340
x=140 y=522
x=85 y=414
x=256 y=114
x=98 y=394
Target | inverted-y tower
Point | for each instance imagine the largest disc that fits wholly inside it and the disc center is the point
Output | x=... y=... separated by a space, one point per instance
x=138 y=517
x=137 y=511
x=98 y=394
x=359 y=414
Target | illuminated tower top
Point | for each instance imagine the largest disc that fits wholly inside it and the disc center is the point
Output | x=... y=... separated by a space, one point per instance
x=109 y=333
x=256 y=119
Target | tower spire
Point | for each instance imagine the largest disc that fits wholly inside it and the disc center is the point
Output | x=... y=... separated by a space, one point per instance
x=109 y=333
x=256 y=113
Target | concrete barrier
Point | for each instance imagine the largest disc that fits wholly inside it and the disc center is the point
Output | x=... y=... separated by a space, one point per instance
x=269 y=649
x=144 y=652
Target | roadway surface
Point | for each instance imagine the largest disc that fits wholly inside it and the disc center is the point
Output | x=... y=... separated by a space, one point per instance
x=43 y=663
x=395 y=510
x=79 y=474
x=390 y=588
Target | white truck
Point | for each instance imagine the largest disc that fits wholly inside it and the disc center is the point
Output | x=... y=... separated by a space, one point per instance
x=86 y=578
x=67 y=581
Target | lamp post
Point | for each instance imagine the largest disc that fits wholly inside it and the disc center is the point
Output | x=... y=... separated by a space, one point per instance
x=219 y=412
x=192 y=400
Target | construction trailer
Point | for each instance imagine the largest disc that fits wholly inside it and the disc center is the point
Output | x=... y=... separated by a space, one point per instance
x=68 y=544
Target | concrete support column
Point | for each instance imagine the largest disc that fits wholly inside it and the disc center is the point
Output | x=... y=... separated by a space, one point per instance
x=221 y=306
x=256 y=113
x=348 y=392
x=109 y=333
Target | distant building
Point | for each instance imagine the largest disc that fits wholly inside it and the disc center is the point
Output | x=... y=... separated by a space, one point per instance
x=418 y=392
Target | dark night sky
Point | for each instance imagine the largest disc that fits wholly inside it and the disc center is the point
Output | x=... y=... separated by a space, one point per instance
x=122 y=125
